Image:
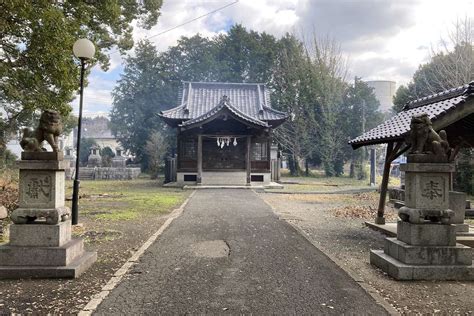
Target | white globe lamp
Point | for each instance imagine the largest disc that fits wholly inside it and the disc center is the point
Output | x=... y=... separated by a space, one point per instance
x=83 y=49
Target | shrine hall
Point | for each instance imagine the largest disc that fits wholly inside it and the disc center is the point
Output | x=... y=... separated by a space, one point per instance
x=224 y=133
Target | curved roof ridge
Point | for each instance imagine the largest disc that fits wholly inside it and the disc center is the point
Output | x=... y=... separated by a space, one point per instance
x=275 y=111
x=243 y=115
x=224 y=103
x=440 y=96
x=172 y=109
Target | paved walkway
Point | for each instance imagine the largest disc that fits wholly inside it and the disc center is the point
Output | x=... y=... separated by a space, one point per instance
x=228 y=253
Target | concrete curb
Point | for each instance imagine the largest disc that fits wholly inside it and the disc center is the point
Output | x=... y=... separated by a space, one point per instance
x=365 y=286
x=95 y=301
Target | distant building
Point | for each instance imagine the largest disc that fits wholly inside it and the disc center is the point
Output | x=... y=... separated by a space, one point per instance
x=98 y=129
x=384 y=91
x=224 y=133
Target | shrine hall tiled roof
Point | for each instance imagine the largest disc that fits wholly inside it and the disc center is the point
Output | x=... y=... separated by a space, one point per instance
x=200 y=100
x=397 y=127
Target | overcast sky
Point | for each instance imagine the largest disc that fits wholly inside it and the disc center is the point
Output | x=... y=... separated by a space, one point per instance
x=382 y=39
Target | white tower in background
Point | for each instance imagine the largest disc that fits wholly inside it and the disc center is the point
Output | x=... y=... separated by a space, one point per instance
x=384 y=91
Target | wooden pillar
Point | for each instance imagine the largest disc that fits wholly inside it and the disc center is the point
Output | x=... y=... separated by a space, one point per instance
x=247 y=158
x=380 y=219
x=393 y=152
x=179 y=154
x=199 y=160
x=269 y=149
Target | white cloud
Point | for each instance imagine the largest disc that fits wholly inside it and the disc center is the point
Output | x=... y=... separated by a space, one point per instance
x=384 y=39
x=97 y=95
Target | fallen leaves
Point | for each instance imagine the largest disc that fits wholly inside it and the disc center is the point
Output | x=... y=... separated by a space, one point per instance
x=362 y=212
x=8 y=194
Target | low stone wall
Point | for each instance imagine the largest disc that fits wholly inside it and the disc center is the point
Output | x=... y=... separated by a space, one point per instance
x=116 y=173
x=107 y=173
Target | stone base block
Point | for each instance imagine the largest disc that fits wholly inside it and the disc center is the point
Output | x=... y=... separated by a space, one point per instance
x=42 y=155
x=426 y=234
x=457 y=203
x=434 y=255
x=41 y=256
x=73 y=270
x=462 y=228
x=402 y=271
x=40 y=235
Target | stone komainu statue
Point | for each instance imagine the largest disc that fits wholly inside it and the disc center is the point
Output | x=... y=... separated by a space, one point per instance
x=424 y=140
x=49 y=129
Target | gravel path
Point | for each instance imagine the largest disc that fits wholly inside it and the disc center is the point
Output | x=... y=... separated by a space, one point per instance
x=228 y=253
x=347 y=241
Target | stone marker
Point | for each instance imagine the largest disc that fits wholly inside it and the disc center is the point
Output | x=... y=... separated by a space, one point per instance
x=94 y=159
x=425 y=247
x=457 y=202
x=40 y=237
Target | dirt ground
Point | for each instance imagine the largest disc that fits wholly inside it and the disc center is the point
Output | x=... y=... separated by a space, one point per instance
x=115 y=225
x=335 y=224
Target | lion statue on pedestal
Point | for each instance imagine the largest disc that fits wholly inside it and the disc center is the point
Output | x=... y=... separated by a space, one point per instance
x=425 y=141
x=49 y=129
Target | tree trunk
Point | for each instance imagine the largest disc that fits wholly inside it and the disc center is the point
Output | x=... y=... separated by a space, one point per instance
x=352 y=166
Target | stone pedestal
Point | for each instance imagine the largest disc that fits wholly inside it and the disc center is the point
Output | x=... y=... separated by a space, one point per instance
x=425 y=247
x=427 y=193
x=94 y=159
x=119 y=162
x=424 y=252
x=40 y=238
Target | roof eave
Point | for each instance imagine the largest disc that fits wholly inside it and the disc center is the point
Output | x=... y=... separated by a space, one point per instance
x=205 y=118
x=173 y=122
x=359 y=144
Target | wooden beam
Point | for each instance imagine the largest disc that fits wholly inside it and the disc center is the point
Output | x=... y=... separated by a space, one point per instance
x=392 y=154
x=247 y=158
x=380 y=219
x=199 y=160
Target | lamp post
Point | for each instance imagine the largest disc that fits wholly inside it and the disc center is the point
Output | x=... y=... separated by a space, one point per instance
x=84 y=50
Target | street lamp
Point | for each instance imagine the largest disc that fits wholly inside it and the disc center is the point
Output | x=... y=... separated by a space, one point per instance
x=84 y=50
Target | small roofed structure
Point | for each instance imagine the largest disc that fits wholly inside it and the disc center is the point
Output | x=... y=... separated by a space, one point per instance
x=224 y=132
x=451 y=110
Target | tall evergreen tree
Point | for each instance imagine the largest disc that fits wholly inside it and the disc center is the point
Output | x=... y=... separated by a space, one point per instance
x=360 y=113
x=142 y=91
x=36 y=38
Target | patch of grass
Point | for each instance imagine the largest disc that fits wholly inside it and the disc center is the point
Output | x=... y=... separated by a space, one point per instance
x=99 y=236
x=322 y=184
x=126 y=200
x=118 y=215
x=318 y=198
x=317 y=181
